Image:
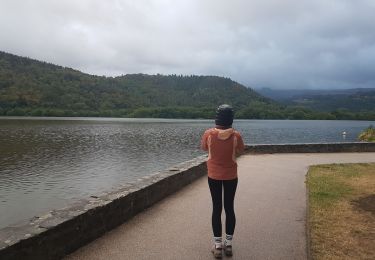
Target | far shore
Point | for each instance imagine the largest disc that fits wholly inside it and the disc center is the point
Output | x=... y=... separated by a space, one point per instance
x=156 y=119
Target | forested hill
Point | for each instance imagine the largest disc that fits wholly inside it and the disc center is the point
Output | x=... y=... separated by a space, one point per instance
x=31 y=87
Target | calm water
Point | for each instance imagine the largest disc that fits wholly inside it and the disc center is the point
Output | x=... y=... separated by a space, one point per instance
x=47 y=163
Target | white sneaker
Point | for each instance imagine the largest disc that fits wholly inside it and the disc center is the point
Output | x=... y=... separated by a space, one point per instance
x=228 y=250
x=217 y=252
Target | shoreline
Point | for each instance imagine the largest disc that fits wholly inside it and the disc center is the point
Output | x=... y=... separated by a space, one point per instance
x=161 y=119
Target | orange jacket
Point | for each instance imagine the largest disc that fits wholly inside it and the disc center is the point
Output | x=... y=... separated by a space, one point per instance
x=222 y=145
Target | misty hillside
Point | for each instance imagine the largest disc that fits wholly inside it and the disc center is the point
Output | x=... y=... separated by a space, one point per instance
x=35 y=85
x=355 y=100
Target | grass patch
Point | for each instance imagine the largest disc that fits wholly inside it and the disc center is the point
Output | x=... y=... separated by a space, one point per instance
x=341 y=219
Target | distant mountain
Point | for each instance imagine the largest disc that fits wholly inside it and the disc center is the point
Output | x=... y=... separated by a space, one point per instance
x=355 y=100
x=290 y=94
x=37 y=88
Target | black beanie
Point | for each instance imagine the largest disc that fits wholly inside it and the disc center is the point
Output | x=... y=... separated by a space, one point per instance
x=224 y=115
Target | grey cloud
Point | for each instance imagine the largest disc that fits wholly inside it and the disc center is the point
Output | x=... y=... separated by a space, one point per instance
x=280 y=44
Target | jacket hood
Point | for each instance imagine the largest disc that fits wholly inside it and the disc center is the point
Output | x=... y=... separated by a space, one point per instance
x=224 y=134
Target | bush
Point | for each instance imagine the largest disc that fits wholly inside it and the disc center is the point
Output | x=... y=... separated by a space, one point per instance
x=368 y=135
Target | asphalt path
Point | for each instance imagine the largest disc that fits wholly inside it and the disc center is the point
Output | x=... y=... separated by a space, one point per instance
x=270 y=207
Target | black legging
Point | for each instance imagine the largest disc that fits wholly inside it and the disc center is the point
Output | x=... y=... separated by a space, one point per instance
x=216 y=187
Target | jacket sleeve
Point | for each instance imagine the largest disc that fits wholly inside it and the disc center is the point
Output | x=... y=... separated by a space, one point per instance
x=240 y=144
x=204 y=144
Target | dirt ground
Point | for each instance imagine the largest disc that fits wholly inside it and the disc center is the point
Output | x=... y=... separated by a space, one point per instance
x=366 y=203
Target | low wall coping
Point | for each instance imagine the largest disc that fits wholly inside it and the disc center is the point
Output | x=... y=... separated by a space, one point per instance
x=311 y=148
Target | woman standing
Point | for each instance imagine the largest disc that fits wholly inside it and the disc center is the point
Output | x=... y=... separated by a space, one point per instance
x=223 y=144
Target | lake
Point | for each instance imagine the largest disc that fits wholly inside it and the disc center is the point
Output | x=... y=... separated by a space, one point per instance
x=48 y=163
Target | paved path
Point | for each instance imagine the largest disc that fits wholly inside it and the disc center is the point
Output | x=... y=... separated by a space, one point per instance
x=270 y=208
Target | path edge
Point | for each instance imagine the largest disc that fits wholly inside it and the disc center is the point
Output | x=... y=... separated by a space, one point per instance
x=307 y=225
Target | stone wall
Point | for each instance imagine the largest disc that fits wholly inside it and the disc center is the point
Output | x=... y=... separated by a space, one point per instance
x=311 y=148
x=60 y=232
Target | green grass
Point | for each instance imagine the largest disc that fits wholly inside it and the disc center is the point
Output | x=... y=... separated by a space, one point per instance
x=325 y=185
x=338 y=229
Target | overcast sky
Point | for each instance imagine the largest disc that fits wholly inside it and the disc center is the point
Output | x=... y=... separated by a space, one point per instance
x=259 y=43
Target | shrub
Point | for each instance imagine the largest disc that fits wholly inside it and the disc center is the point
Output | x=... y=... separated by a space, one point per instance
x=368 y=135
